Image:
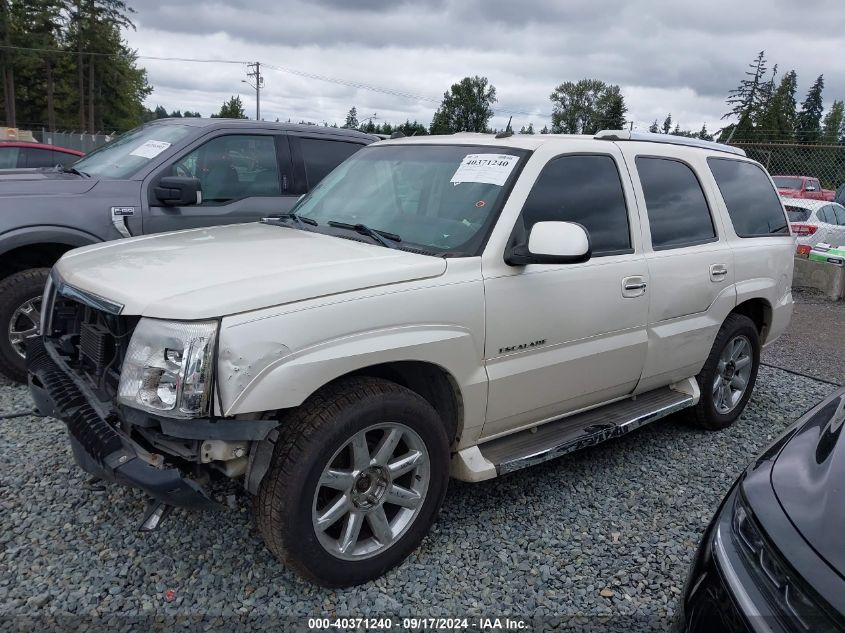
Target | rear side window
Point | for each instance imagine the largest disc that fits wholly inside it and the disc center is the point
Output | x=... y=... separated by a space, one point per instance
x=677 y=209
x=797 y=214
x=9 y=157
x=753 y=204
x=322 y=156
x=584 y=189
x=839 y=212
x=826 y=214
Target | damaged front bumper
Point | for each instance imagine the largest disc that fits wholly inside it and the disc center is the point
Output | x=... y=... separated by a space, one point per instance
x=99 y=446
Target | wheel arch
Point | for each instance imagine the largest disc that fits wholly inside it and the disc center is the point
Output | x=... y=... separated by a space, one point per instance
x=759 y=310
x=39 y=247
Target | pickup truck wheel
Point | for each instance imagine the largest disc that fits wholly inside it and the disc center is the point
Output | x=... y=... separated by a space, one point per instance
x=20 y=312
x=728 y=376
x=357 y=478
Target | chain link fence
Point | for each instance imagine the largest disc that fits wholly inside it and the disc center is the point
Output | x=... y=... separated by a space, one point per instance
x=82 y=142
x=825 y=162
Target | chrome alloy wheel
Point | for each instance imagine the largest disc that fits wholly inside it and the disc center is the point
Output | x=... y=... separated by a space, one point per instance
x=24 y=324
x=732 y=374
x=371 y=491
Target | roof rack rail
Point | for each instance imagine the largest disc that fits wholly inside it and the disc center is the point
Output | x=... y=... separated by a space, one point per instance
x=651 y=137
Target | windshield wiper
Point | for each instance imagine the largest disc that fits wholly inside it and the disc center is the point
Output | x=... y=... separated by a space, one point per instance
x=363 y=229
x=300 y=220
x=72 y=170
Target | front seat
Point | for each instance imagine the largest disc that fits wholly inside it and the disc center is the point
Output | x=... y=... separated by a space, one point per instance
x=220 y=181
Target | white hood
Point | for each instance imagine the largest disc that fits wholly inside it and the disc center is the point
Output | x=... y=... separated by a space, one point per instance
x=217 y=271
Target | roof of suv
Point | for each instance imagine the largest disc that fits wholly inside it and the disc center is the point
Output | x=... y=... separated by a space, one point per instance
x=533 y=141
x=263 y=125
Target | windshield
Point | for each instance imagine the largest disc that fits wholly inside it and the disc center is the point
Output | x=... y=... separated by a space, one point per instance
x=126 y=154
x=797 y=214
x=785 y=182
x=438 y=198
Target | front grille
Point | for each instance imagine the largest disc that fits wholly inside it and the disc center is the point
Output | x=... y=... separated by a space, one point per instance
x=92 y=342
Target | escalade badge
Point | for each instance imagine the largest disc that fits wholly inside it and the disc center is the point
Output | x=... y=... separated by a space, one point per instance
x=521 y=346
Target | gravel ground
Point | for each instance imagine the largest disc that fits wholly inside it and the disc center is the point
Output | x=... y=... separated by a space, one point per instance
x=816 y=337
x=607 y=533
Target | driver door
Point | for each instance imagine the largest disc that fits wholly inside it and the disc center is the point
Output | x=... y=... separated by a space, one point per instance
x=244 y=177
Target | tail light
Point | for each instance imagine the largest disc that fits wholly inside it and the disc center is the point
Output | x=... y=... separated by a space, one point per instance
x=804 y=229
x=803 y=250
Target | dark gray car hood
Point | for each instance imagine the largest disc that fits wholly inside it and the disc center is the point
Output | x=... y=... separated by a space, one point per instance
x=40 y=182
x=808 y=478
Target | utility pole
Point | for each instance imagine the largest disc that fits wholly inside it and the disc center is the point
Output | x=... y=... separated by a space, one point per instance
x=257 y=82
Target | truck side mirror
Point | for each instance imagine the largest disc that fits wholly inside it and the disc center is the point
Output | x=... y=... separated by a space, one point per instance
x=552 y=243
x=178 y=191
x=809 y=188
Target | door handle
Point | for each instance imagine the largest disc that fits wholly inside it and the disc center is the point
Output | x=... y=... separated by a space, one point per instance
x=633 y=286
x=718 y=272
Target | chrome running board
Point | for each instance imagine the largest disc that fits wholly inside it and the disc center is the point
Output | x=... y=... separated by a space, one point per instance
x=572 y=433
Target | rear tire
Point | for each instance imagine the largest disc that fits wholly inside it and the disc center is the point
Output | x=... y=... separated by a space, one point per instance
x=728 y=376
x=357 y=478
x=20 y=303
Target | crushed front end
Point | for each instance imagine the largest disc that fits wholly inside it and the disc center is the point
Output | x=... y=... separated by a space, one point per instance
x=74 y=371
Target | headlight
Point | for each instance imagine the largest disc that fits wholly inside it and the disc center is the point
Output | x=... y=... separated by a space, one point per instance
x=168 y=367
x=784 y=588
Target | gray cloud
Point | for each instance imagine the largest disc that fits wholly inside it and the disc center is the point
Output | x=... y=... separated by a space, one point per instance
x=668 y=56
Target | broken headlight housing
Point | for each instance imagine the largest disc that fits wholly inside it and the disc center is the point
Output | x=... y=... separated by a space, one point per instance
x=168 y=367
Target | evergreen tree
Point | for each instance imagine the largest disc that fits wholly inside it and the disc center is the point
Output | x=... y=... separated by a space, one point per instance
x=160 y=112
x=667 y=123
x=808 y=129
x=745 y=99
x=703 y=134
x=654 y=128
x=351 y=119
x=466 y=107
x=832 y=128
x=778 y=120
x=232 y=109
x=545 y=130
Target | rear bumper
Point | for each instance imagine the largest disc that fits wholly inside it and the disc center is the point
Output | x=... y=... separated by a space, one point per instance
x=99 y=447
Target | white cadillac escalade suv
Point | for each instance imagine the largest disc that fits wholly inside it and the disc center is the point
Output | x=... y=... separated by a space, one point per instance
x=437 y=307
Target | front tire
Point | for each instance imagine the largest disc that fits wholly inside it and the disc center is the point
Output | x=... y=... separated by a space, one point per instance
x=357 y=478
x=20 y=307
x=728 y=376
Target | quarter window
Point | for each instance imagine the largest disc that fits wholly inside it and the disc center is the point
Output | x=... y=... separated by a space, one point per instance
x=839 y=212
x=322 y=156
x=677 y=209
x=585 y=189
x=753 y=204
x=233 y=167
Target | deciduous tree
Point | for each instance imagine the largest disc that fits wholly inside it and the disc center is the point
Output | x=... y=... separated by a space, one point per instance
x=466 y=107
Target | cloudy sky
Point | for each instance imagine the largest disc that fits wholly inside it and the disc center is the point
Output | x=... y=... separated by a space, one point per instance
x=667 y=55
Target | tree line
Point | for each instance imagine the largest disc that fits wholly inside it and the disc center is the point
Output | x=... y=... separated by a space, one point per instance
x=64 y=63
x=765 y=108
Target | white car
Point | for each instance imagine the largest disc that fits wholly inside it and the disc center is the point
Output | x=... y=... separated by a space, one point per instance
x=814 y=222
x=438 y=306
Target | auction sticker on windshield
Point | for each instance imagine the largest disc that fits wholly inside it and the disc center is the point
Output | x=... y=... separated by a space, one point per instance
x=491 y=169
x=150 y=149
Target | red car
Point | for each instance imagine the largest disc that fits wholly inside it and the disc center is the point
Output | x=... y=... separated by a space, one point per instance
x=20 y=154
x=802 y=187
